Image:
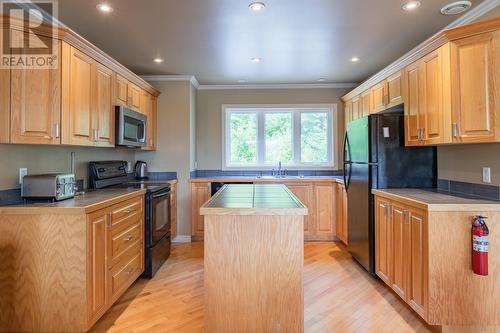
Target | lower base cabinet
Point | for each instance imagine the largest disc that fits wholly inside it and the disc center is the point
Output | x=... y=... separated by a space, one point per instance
x=424 y=255
x=71 y=265
x=327 y=219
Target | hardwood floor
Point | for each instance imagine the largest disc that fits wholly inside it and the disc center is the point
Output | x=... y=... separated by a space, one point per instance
x=339 y=297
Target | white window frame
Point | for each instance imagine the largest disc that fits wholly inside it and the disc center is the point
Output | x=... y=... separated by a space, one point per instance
x=296 y=110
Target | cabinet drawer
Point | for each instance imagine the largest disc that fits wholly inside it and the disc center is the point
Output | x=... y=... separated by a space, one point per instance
x=122 y=214
x=123 y=240
x=126 y=271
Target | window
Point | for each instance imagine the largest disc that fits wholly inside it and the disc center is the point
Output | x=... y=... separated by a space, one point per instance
x=260 y=137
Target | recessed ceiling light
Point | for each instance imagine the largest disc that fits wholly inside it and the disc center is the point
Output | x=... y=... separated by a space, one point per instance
x=355 y=59
x=242 y=81
x=410 y=5
x=257 y=6
x=321 y=80
x=104 y=7
x=158 y=60
x=456 y=7
x=256 y=60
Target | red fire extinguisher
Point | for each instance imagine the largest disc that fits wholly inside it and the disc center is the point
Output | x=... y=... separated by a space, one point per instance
x=480 y=245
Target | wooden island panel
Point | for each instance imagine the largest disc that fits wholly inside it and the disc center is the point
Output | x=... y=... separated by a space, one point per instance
x=254 y=259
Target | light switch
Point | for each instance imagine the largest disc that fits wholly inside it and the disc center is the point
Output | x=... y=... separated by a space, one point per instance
x=486 y=175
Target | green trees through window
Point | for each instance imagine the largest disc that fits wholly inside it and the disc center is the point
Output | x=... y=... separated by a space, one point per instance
x=261 y=137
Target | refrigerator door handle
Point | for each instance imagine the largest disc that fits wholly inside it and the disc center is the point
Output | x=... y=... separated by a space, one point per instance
x=346 y=162
x=349 y=178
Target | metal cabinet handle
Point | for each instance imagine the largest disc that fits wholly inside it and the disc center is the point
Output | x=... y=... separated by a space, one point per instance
x=128 y=211
x=130 y=271
x=456 y=130
x=57 y=130
x=129 y=238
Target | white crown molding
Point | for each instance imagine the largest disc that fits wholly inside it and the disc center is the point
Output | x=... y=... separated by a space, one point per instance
x=423 y=48
x=190 y=78
x=182 y=239
x=277 y=86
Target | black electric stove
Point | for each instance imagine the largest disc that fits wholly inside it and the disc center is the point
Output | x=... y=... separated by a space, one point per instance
x=157 y=227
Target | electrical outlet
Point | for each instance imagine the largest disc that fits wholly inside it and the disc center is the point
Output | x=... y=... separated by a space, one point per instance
x=22 y=172
x=486 y=175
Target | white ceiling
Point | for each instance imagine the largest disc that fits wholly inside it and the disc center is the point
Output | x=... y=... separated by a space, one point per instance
x=299 y=41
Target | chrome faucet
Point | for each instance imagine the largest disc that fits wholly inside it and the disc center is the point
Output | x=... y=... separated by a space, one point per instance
x=280 y=173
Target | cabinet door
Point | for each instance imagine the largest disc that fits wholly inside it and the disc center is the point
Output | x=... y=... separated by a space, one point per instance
x=4 y=103
x=304 y=193
x=435 y=116
x=475 y=71
x=383 y=228
x=121 y=90
x=35 y=102
x=365 y=103
x=173 y=210
x=413 y=111
x=378 y=97
x=394 y=94
x=134 y=96
x=148 y=107
x=200 y=193
x=324 y=195
x=97 y=268
x=79 y=101
x=356 y=108
x=340 y=212
x=400 y=239
x=347 y=113
x=105 y=117
x=418 y=262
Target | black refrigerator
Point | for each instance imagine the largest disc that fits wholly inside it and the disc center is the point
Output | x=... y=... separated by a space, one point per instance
x=375 y=157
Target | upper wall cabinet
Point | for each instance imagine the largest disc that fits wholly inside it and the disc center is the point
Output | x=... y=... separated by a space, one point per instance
x=365 y=103
x=35 y=105
x=72 y=103
x=475 y=75
x=427 y=111
x=451 y=94
x=128 y=94
x=148 y=107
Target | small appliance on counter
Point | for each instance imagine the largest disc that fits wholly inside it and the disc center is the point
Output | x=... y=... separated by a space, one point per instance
x=157 y=219
x=48 y=187
x=141 y=170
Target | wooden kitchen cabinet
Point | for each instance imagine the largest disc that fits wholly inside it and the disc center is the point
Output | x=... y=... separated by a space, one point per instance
x=383 y=232
x=173 y=210
x=365 y=104
x=98 y=270
x=304 y=192
x=78 y=109
x=399 y=244
x=378 y=97
x=401 y=251
x=148 y=107
x=394 y=90
x=347 y=114
x=427 y=108
x=387 y=93
x=4 y=102
x=200 y=193
x=35 y=103
x=475 y=74
x=341 y=213
x=356 y=111
x=128 y=94
x=105 y=111
x=87 y=109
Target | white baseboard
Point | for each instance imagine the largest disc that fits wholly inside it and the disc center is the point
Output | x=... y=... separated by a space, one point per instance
x=182 y=239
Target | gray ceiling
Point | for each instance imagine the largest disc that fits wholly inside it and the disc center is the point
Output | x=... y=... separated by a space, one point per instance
x=298 y=40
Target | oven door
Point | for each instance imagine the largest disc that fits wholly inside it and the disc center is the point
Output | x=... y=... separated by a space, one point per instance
x=130 y=127
x=160 y=218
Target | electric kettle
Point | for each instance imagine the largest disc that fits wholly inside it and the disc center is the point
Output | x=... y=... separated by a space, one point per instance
x=141 y=170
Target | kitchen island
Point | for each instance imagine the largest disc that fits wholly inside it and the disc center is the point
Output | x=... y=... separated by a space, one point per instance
x=254 y=259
